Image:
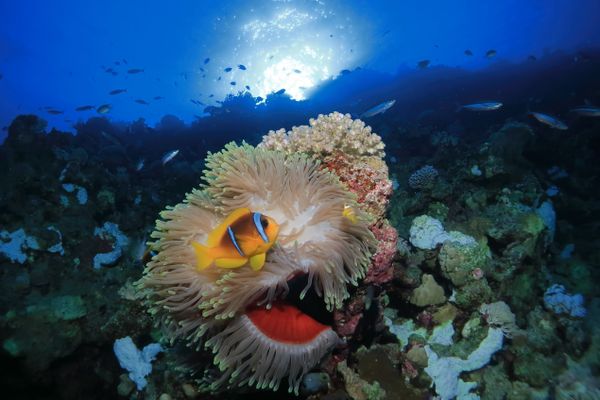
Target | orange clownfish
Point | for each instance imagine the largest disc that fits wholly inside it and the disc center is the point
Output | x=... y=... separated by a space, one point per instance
x=244 y=236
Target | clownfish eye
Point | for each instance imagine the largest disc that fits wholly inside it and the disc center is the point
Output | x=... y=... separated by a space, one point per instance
x=264 y=221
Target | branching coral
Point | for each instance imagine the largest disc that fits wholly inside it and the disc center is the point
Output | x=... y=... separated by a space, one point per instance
x=315 y=239
x=327 y=134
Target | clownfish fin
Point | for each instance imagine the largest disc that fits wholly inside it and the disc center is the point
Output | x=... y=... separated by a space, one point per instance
x=257 y=261
x=230 y=262
x=215 y=236
x=203 y=256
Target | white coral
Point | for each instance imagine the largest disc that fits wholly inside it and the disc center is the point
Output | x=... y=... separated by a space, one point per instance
x=325 y=135
x=499 y=315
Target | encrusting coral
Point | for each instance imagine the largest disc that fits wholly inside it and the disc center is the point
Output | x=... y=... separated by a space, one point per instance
x=239 y=313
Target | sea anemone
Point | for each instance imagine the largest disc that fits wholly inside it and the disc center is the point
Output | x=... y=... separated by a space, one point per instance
x=241 y=314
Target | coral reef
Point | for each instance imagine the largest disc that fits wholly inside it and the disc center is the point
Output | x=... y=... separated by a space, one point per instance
x=479 y=286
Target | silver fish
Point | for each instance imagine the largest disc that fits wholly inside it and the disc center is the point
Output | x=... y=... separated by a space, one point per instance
x=550 y=121
x=169 y=156
x=378 y=109
x=103 y=109
x=587 y=111
x=140 y=165
x=485 y=106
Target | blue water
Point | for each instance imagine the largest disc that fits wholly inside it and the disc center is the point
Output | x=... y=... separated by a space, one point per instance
x=56 y=54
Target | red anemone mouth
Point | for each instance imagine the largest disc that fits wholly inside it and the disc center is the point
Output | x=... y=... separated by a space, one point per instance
x=266 y=344
x=284 y=323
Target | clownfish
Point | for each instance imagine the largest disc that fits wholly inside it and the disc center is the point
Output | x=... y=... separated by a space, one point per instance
x=243 y=237
x=350 y=214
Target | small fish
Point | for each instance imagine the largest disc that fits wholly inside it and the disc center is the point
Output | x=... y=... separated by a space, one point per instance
x=228 y=69
x=219 y=78
x=485 y=106
x=345 y=72
x=369 y=297
x=244 y=237
x=124 y=61
x=350 y=214
x=134 y=71
x=158 y=97
x=232 y=83
x=104 y=108
x=55 y=112
x=206 y=60
x=247 y=87
x=140 y=250
x=378 y=109
x=140 y=165
x=242 y=67
x=117 y=91
x=297 y=71
x=280 y=91
x=84 y=108
x=491 y=53
x=586 y=111
x=549 y=120
x=169 y=156
x=117 y=63
x=211 y=95
x=142 y=101
x=423 y=64
x=468 y=52
x=111 y=138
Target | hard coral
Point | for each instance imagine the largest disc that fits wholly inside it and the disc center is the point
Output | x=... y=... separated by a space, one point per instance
x=347 y=148
x=381 y=270
x=327 y=134
x=371 y=185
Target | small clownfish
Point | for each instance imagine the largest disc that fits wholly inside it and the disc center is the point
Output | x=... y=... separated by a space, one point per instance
x=244 y=236
x=350 y=214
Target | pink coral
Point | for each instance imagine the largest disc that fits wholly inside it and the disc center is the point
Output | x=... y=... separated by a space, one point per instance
x=381 y=270
x=346 y=319
x=425 y=319
x=369 y=182
x=408 y=369
x=477 y=273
